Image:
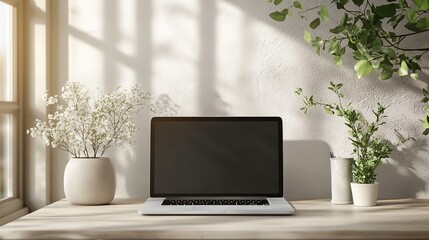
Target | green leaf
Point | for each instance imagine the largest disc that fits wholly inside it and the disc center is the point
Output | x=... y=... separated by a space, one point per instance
x=297 y=4
x=414 y=76
x=307 y=36
x=363 y=68
x=317 y=43
x=425 y=122
x=376 y=63
x=277 y=2
x=286 y=11
x=414 y=66
x=338 y=60
x=423 y=23
x=386 y=64
x=298 y=91
x=394 y=21
x=403 y=70
x=385 y=74
x=422 y=4
x=315 y=23
x=324 y=13
x=334 y=48
x=329 y=110
x=411 y=15
x=358 y=2
x=278 y=16
x=385 y=11
x=344 y=20
x=341 y=3
x=412 y=27
x=358 y=55
x=388 y=51
x=336 y=29
x=377 y=42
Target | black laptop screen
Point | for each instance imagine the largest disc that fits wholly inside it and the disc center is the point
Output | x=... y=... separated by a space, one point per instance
x=216 y=156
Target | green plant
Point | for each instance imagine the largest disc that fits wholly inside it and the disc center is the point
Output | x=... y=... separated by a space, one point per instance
x=374 y=31
x=368 y=149
x=377 y=33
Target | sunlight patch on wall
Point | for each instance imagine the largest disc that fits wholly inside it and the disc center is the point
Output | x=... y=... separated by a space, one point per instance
x=250 y=56
x=230 y=59
x=103 y=42
x=88 y=19
x=85 y=42
x=176 y=51
x=85 y=62
x=128 y=75
x=126 y=29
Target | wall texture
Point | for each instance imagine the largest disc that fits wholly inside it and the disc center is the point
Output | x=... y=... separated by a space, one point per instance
x=226 y=57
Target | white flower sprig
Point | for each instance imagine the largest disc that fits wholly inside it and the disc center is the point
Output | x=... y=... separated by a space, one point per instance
x=87 y=128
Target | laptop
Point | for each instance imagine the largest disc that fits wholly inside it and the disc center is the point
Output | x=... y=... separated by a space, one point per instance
x=216 y=165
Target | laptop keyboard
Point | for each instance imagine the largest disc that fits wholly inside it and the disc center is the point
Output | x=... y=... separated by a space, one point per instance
x=215 y=202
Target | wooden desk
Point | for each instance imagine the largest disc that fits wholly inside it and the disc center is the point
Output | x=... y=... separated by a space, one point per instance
x=315 y=219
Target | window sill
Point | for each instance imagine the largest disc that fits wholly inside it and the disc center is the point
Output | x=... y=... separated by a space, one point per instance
x=11 y=209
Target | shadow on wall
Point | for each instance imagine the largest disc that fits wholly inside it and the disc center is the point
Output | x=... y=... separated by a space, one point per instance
x=135 y=163
x=398 y=177
x=306 y=169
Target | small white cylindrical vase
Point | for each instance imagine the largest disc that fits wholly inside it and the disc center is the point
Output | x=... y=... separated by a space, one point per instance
x=341 y=176
x=365 y=195
x=89 y=181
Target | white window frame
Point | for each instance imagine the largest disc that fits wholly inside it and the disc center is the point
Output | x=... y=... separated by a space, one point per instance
x=12 y=207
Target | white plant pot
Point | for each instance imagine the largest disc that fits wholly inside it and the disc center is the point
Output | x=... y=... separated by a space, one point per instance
x=89 y=181
x=341 y=177
x=365 y=195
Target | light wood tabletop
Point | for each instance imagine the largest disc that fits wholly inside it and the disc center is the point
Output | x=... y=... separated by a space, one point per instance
x=314 y=219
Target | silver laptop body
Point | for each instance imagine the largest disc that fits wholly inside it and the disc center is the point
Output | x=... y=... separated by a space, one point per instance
x=216 y=166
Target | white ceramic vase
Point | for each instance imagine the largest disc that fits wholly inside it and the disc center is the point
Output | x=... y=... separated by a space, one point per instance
x=365 y=195
x=341 y=177
x=89 y=181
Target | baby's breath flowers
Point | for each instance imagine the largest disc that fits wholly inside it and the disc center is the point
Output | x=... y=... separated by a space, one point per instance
x=87 y=127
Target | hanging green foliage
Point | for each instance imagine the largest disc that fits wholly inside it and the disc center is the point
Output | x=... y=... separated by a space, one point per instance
x=367 y=30
x=373 y=31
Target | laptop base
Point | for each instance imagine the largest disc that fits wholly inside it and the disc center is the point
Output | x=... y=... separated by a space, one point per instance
x=277 y=206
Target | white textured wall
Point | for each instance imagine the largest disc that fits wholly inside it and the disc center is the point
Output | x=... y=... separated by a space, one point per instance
x=226 y=57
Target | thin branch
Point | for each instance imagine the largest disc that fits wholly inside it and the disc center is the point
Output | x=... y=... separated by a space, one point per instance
x=406 y=49
x=411 y=33
x=309 y=9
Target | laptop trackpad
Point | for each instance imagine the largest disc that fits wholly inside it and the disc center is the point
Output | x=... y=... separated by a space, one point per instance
x=227 y=209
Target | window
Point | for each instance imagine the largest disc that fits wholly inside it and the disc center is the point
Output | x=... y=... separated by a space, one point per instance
x=7 y=99
x=10 y=111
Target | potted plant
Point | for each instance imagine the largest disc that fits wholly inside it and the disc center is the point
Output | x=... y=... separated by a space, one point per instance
x=86 y=128
x=369 y=150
